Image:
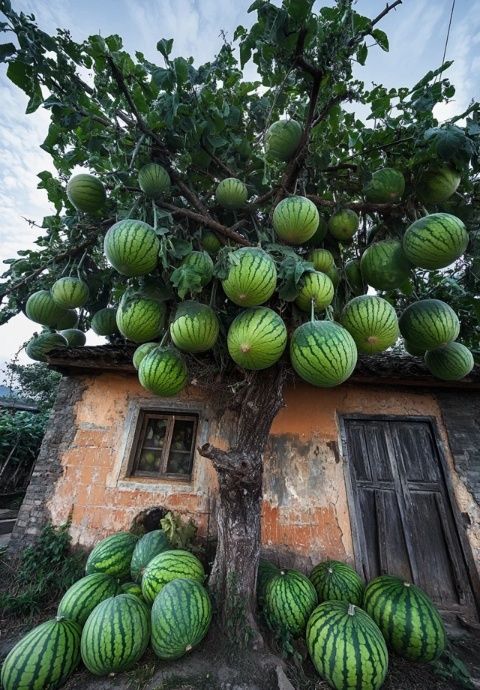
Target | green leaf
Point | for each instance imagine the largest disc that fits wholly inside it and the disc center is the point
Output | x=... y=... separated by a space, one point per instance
x=362 y=53
x=290 y=272
x=21 y=75
x=165 y=47
x=186 y=281
x=180 y=66
x=36 y=99
x=298 y=9
x=256 y=5
x=381 y=38
x=6 y=49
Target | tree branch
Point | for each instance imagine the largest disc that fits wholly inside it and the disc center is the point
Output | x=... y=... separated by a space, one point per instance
x=208 y=221
x=355 y=205
x=375 y=21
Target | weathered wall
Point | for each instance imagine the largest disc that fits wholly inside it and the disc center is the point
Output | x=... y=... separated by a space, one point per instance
x=305 y=509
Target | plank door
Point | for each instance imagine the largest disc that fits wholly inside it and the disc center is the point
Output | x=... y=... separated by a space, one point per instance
x=403 y=519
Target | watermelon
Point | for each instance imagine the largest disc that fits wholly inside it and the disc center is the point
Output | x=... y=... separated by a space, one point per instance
x=413 y=350
x=295 y=219
x=322 y=260
x=257 y=338
x=69 y=292
x=141 y=352
x=167 y=566
x=131 y=246
x=81 y=598
x=334 y=275
x=116 y=635
x=86 y=193
x=67 y=319
x=316 y=288
x=231 y=193
x=112 y=555
x=437 y=185
x=336 y=581
x=134 y=589
x=74 y=337
x=104 y=322
x=40 y=345
x=202 y=264
x=266 y=570
x=163 y=372
x=140 y=318
x=385 y=187
x=384 y=265
x=354 y=278
x=42 y=308
x=251 y=278
x=435 y=241
x=150 y=545
x=282 y=139
x=451 y=362
x=290 y=598
x=44 y=657
x=210 y=242
x=343 y=224
x=409 y=621
x=181 y=616
x=195 y=327
x=372 y=323
x=154 y=180
x=323 y=353
x=317 y=239
x=347 y=647
x=429 y=323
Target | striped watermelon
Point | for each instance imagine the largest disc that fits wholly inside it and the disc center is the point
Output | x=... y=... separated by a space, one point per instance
x=40 y=345
x=322 y=260
x=316 y=288
x=140 y=318
x=104 y=322
x=163 y=372
x=210 y=242
x=290 y=598
x=202 y=264
x=116 y=635
x=70 y=292
x=429 y=323
x=343 y=224
x=295 y=219
x=410 y=623
x=372 y=323
x=195 y=327
x=451 y=362
x=317 y=239
x=154 y=180
x=346 y=647
x=282 y=139
x=167 y=566
x=74 y=337
x=323 y=353
x=181 y=616
x=147 y=547
x=42 y=308
x=44 y=658
x=386 y=187
x=251 y=278
x=86 y=193
x=336 y=581
x=81 y=598
x=67 y=319
x=354 y=278
x=266 y=570
x=112 y=555
x=437 y=185
x=141 y=352
x=435 y=241
x=132 y=588
x=257 y=338
x=132 y=247
x=384 y=265
x=413 y=350
x=231 y=193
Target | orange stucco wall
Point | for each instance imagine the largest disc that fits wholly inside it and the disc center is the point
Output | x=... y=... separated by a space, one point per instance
x=305 y=508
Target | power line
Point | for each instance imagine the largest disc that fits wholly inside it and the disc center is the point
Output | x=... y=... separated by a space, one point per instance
x=448 y=31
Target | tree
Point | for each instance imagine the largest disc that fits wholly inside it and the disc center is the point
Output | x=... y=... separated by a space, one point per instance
x=36 y=382
x=206 y=124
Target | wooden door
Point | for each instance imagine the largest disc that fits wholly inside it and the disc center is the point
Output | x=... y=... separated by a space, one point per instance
x=403 y=519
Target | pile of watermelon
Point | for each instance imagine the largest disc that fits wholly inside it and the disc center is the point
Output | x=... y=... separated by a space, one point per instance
x=136 y=591
x=349 y=627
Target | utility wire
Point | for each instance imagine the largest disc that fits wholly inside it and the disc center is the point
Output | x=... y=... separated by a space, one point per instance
x=448 y=31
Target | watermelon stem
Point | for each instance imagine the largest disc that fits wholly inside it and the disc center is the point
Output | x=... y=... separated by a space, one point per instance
x=312 y=310
x=155 y=219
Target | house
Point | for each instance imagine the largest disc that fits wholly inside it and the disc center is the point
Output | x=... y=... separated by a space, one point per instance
x=382 y=472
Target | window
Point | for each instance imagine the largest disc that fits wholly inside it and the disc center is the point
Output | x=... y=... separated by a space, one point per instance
x=164 y=446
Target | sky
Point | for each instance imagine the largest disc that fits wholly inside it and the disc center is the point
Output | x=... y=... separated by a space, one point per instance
x=416 y=30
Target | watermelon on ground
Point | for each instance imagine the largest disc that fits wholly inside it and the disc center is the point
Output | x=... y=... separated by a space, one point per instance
x=437 y=184
x=104 y=322
x=257 y=338
x=282 y=139
x=131 y=247
x=44 y=657
x=195 y=327
x=384 y=265
x=266 y=570
x=386 y=186
x=81 y=598
x=116 y=635
x=231 y=193
x=154 y=180
x=167 y=566
x=290 y=598
x=86 y=193
x=336 y=581
x=435 y=241
x=163 y=372
x=147 y=547
x=70 y=292
x=252 y=277
x=295 y=219
x=450 y=362
x=181 y=616
x=314 y=288
x=132 y=588
x=40 y=345
x=429 y=323
x=140 y=318
x=112 y=555
x=343 y=224
x=408 y=619
x=372 y=323
x=347 y=647
x=74 y=337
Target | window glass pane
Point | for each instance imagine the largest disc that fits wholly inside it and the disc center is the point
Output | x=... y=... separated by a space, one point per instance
x=155 y=433
x=179 y=462
x=181 y=451
x=149 y=461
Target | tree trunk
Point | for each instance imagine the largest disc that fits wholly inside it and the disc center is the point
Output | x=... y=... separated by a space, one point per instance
x=240 y=471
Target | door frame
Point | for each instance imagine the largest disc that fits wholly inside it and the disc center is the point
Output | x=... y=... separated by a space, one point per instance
x=472 y=573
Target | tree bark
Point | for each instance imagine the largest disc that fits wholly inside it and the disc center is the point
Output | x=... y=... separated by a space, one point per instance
x=240 y=473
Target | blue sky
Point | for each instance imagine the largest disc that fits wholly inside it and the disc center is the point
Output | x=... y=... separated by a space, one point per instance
x=416 y=31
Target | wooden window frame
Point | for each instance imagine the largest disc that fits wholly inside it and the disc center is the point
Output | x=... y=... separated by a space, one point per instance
x=139 y=445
